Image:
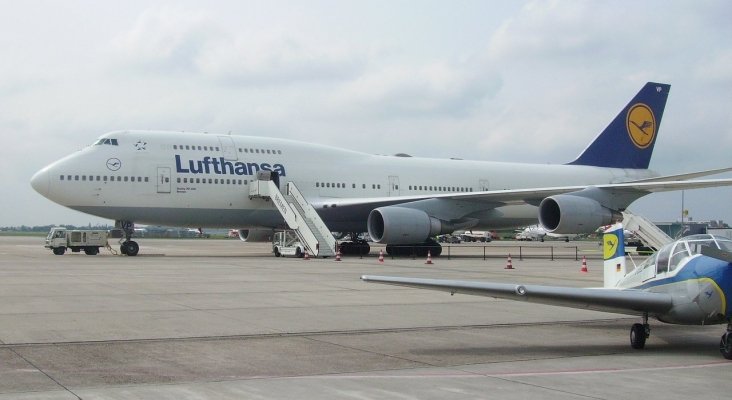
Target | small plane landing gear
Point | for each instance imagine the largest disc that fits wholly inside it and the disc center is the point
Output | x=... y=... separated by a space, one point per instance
x=639 y=333
x=128 y=247
x=725 y=344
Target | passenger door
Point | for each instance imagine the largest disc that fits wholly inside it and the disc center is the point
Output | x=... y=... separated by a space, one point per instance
x=393 y=185
x=163 y=182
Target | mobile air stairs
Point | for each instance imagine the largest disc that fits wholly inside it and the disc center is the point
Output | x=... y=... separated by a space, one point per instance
x=300 y=216
x=647 y=231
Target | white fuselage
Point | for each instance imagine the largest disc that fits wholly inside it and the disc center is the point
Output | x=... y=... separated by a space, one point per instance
x=201 y=180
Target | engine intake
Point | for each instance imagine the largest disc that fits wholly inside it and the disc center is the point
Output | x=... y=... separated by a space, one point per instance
x=574 y=214
x=256 y=235
x=401 y=225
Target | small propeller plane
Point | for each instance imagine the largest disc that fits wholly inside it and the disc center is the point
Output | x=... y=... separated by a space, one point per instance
x=688 y=282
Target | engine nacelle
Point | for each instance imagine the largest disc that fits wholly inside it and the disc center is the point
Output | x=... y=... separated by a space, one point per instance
x=256 y=235
x=574 y=214
x=401 y=225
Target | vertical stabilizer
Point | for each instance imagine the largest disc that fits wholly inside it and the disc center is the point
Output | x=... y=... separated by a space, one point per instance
x=613 y=252
x=629 y=139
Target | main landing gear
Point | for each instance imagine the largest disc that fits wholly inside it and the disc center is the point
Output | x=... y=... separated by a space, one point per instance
x=128 y=247
x=639 y=333
x=725 y=344
x=354 y=247
x=416 y=250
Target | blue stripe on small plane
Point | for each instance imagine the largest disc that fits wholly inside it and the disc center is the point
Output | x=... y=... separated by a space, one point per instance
x=700 y=268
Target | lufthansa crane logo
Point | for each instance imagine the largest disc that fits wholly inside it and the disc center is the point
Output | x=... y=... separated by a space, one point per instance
x=610 y=246
x=114 y=164
x=641 y=125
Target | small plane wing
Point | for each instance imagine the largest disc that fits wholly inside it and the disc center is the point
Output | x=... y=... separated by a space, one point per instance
x=623 y=301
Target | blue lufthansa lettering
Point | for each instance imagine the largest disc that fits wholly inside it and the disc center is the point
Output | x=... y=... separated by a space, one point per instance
x=222 y=167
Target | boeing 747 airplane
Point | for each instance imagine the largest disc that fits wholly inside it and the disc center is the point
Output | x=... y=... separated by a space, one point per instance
x=203 y=180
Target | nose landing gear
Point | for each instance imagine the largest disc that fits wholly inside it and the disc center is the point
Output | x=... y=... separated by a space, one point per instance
x=128 y=247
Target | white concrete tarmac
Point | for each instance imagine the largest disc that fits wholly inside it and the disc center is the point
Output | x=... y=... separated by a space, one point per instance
x=222 y=319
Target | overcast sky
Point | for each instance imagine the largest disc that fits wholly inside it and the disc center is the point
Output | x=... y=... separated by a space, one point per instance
x=485 y=80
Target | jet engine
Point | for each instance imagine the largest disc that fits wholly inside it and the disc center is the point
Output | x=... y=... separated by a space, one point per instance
x=401 y=225
x=256 y=235
x=574 y=214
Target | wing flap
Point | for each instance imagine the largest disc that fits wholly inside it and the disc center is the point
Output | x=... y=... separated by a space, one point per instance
x=632 y=302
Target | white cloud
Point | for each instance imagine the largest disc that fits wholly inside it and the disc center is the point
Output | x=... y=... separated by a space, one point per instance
x=516 y=83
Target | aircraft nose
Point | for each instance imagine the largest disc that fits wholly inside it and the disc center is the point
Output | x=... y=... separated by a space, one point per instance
x=41 y=182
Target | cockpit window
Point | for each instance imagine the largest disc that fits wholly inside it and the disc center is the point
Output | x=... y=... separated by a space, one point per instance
x=107 y=141
x=678 y=254
x=662 y=260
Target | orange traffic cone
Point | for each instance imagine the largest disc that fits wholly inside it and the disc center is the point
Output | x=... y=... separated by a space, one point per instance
x=381 y=256
x=584 y=264
x=307 y=256
x=429 y=257
x=509 y=264
x=338 y=255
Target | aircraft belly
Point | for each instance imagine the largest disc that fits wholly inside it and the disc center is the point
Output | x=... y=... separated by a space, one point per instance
x=194 y=217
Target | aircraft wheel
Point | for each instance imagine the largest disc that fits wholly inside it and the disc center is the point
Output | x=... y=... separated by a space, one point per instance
x=132 y=248
x=638 y=336
x=59 y=251
x=725 y=345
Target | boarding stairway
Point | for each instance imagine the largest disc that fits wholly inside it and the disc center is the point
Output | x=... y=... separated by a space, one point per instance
x=647 y=231
x=299 y=215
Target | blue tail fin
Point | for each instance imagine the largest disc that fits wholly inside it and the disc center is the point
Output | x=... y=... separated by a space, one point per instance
x=629 y=139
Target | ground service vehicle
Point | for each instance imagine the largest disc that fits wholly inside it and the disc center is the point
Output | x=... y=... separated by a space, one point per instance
x=59 y=239
x=286 y=243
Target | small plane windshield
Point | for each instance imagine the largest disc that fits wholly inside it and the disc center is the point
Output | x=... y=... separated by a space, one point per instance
x=696 y=242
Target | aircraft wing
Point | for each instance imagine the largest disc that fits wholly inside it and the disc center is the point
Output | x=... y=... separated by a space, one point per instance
x=443 y=205
x=623 y=301
x=690 y=175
